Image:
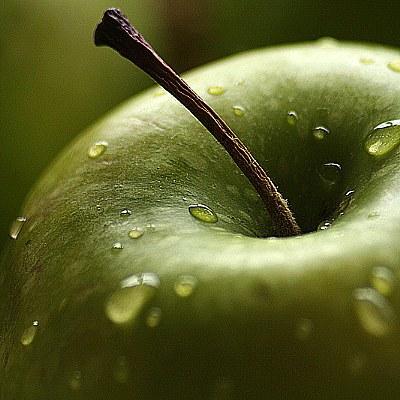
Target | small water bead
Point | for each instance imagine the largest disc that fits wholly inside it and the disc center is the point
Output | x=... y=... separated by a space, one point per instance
x=150 y=227
x=76 y=380
x=185 y=285
x=383 y=280
x=97 y=149
x=384 y=138
x=203 y=213
x=125 y=212
x=153 y=317
x=136 y=233
x=327 y=42
x=374 y=312
x=216 y=90
x=16 y=227
x=304 y=329
x=121 y=370
x=394 y=65
x=292 y=118
x=117 y=246
x=324 y=225
x=330 y=173
x=320 y=133
x=125 y=304
x=29 y=333
x=238 y=111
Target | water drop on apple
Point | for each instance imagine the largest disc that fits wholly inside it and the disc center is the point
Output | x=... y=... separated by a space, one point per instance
x=29 y=333
x=185 y=285
x=216 y=90
x=136 y=232
x=97 y=149
x=153 y=317
x=16 y=227
x=382 y=280
x=320 y=132
x=374 y=312
x=203 y=213
x=384 y=138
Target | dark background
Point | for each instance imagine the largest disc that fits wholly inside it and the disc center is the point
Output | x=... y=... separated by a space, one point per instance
x=54 y=82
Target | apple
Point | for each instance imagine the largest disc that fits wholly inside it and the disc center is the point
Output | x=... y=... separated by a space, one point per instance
x=144 y=266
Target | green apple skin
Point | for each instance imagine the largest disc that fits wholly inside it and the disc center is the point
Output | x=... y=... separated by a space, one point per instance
x=267 y=318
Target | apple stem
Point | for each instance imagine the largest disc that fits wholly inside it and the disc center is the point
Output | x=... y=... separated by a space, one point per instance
x=116 y=32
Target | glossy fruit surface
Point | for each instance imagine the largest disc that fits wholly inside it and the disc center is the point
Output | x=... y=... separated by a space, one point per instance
x=139 y=272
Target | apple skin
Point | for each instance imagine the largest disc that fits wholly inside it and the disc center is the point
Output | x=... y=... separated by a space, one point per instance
x=267 y=318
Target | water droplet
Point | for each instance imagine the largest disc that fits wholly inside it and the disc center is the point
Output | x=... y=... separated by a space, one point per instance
x=320 y=133
x=97 y=149
x=121 y=370
x=374 y=312
x=29 y=333
x=153 y=317
x=367 y=61
x=304 y=329
x=16 y=227
x=125 y=304
x=330 y=173
x=292 y=118
x=327 y=42
x=125 y=212
x=324 y=225
x=383 y=280
x=185 y=285
x=394 y=65
x=384 y=138
x=238 y=111
x=136 y=233
x=203 y=213
x=216 y=90
x=118 y=246
x=76 y=380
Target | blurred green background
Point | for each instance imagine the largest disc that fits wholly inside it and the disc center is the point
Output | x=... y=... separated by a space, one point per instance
x=54 y=82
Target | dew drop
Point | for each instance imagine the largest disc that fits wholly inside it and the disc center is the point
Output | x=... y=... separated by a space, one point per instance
x=136 y=233
x=384 y=138
x=374 y=312
x=367 y=61
x=203 y=213
x=394 y=65
x=292 y=118
x=330 y=173
x=117 y=246
x=150 y=227
x=97 y=149
x=126 y=303
x=16 y=227
x=304 y=329
x=76 y=380
x=185 y=285
x=324 y=225
x=153 y=317
x=121 y=370
x=320 y=133
x=238 y=111
x=29 y=333
x=216 y=90
x=125 y=212
x=327 y=42
x=383 y=280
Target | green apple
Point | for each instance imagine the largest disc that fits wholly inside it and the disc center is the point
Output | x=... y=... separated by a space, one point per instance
x=143 y=266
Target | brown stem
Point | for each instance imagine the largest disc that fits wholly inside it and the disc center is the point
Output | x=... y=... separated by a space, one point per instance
x=116 y=32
